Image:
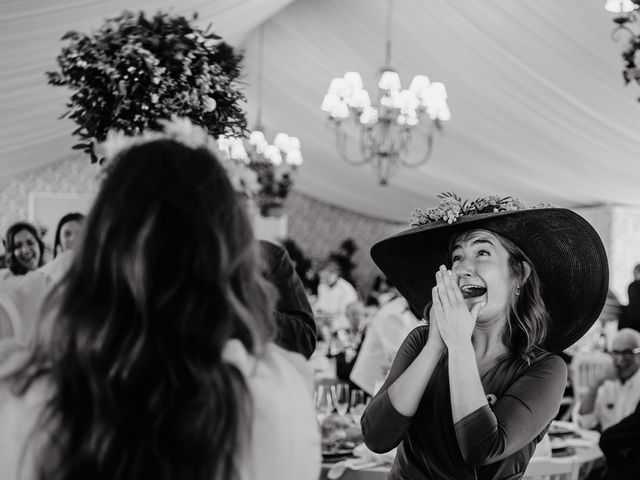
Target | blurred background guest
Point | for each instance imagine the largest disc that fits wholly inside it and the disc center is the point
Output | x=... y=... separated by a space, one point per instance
x=294 y=317
x=67 y=232
x=334 y=293
x=386 y=331
x=631 y=315
x=615 y=394
x=381 y=292
x=24 y=249
x=621 y=446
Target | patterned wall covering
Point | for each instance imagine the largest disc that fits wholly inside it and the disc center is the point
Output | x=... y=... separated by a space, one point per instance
x=319 y=228
x=73 y=175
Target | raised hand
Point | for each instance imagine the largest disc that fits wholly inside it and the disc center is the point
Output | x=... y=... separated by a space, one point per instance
x=454 y=320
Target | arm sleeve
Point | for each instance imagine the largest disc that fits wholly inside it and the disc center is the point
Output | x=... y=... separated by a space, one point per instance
x=294 y=317
x=622 y=440
x=383 y=427
x=519 y=416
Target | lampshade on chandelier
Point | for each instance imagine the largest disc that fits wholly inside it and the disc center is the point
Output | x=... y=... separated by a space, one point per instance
x=387 y=124
x=275 y=163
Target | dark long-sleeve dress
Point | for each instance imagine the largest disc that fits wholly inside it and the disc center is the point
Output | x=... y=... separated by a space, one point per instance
x=493 y=442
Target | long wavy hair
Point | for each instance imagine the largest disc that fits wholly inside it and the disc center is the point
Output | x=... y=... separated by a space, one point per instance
x=528 y=320
x=69 y=217
x=166 y=273
x=10 y=246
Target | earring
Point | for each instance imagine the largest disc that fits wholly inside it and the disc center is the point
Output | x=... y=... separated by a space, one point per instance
x=517 y=291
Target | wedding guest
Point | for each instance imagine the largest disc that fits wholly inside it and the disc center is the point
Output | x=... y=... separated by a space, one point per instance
x=334 y=292
x=620 y=444
x=24 y=249
x=67 y=232
x=387 y=330
x=631 y=314
x=471 y=394
x=161 y=363
x=381 y=292
x=21 y=298
x=294 y=317
x=614 y=395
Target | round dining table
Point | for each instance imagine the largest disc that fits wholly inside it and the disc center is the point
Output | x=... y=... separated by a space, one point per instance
x=583 y=460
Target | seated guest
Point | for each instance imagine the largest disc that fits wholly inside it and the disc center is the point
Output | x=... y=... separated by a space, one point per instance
x=615 y=395
x=348 y=341
x=620 y=444
x=385 y=333
x=24 y=249
x=21 y=298
x=161 y=362
x=67 y=232
x=334 y=293
x=381 y=292
x=294 y=317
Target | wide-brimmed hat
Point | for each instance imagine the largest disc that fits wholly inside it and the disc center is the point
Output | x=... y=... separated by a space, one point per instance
x=566 y=252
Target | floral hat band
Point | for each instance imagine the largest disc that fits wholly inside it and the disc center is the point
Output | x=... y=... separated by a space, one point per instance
x=452 y=207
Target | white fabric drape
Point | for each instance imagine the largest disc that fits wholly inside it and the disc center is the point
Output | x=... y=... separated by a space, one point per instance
x=538 y=104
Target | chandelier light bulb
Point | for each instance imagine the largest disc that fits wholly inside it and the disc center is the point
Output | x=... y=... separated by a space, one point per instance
x=353 y=81
x=256 y=138
x=294 y=157
x=390 y=81
x=419 y=83
x=438 y=90
x=238 y=151
x=620 y=6
x=338 y=87
x=329 y=102
x=360 y=99
x=294 y=144
x=281 y=140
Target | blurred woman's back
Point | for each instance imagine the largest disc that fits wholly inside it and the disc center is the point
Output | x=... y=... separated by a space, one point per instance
x=157 y=342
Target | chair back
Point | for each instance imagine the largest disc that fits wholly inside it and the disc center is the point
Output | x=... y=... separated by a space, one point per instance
x=586 y=368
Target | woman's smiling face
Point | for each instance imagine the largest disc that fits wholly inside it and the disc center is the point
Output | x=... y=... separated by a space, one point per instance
x=26 y=249
x=481 y=265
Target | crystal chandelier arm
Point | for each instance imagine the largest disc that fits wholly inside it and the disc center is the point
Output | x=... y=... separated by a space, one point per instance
x=407 y=162
x=341 y=146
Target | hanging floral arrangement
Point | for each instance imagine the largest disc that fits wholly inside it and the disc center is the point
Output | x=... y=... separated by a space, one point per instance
x=135 y=71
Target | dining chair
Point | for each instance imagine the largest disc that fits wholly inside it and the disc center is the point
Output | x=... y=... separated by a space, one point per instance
x=548 y=468
x=586 y=368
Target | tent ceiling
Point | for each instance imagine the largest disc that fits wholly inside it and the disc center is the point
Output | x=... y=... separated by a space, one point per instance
x=535 y=90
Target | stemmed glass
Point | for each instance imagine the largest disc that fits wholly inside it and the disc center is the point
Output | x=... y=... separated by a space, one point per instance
x=340 y=394
x=323 y=402
x=357 y=406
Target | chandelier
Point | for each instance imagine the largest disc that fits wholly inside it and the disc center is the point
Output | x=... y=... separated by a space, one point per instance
x=275 y=163
x=625 y=20
x=387 y=125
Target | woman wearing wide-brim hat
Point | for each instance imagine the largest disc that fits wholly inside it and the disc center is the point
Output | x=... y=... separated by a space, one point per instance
x=503 y=287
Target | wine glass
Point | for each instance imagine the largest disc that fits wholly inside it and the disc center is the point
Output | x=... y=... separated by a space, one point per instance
x=323 y=402
x=340 y=394
x=357 y=406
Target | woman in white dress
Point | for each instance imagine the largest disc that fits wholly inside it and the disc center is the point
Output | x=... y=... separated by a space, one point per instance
x=155 y=359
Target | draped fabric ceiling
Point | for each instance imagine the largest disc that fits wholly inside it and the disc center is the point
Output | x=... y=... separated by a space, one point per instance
x=539 y=109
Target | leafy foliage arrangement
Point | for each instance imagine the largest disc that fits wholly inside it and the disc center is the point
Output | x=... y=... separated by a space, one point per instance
x=134 y=71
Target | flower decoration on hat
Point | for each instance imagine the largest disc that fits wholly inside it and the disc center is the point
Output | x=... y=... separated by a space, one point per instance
x=135 y=71
x=451 y=207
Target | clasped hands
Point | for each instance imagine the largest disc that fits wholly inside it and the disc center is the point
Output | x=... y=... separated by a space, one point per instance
x=451 y=323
